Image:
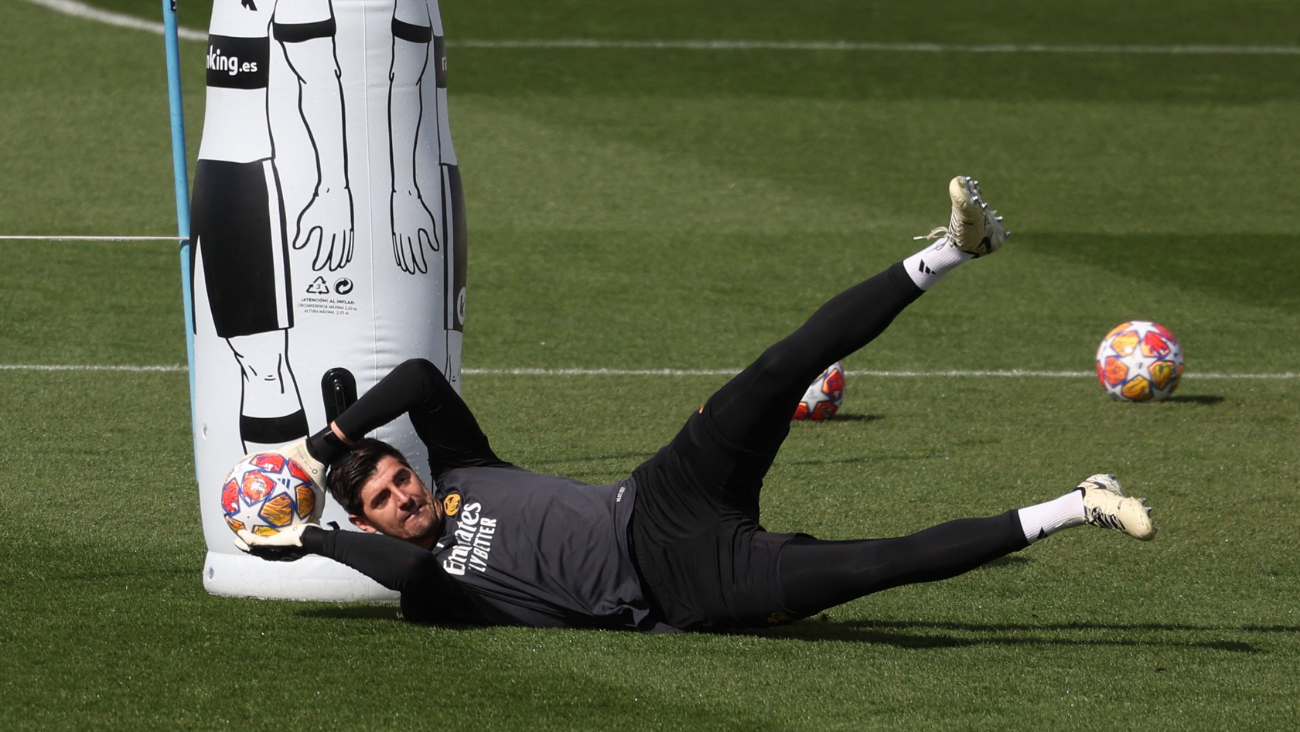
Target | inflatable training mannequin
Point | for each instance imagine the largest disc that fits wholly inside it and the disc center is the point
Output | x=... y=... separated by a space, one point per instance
x=329 y=243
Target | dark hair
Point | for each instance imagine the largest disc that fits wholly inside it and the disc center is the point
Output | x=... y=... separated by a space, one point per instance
x=349 y=473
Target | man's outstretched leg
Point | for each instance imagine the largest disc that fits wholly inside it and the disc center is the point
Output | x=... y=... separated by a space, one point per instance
x=816 y=575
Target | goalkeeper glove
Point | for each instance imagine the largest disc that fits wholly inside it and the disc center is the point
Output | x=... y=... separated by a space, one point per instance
x=297 y=452
x=283 y=546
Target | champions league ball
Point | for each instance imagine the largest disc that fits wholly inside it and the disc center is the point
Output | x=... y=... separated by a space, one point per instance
x=267 y=492
x=823 y=398
x=1139 y=361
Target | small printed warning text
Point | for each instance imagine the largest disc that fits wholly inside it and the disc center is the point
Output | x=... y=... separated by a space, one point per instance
x=327 y=306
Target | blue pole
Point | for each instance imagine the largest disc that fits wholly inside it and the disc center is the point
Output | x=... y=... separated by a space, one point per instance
x=180 y=172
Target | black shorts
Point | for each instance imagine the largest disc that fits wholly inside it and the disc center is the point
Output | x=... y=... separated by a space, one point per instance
x=238 y=228
x=704 y=560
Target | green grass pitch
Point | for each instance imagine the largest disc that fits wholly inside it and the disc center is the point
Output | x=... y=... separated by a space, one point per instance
x=681 y=209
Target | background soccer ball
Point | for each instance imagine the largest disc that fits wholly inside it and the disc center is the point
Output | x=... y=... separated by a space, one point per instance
x=267 y=492
x=1139 y=361
x=823 y=398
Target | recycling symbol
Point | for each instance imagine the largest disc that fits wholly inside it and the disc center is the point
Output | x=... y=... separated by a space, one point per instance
x=318 y=287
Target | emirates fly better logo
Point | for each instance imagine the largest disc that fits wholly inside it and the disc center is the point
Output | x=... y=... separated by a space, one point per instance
x=473 y=541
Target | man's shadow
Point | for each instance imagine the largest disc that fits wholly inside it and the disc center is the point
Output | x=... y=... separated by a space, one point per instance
x=921 y=634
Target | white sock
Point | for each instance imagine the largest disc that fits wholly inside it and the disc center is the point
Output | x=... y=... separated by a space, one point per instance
x=929 y=265
x=1045 y=519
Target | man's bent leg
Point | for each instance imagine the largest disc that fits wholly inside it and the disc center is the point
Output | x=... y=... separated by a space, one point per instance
x=753 y=410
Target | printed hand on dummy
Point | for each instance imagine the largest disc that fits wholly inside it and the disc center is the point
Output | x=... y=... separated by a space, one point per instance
x=414 y=228
x=327 y=222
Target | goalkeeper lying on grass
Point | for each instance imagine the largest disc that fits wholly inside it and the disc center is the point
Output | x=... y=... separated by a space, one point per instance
x=675 y=546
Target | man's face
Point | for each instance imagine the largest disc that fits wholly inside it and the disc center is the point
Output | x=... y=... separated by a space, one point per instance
x=396 y=502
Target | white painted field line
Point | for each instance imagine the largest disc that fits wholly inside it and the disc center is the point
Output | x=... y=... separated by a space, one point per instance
x=121 y=20
x=59 y=237
x=598 y=372
x=1014 y=373
x=83 y=367
x=82 y=10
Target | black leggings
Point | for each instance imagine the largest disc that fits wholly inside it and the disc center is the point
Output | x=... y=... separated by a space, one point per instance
x=753 y=410
x=816 y=575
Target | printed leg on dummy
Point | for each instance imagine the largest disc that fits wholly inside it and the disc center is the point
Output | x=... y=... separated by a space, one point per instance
x=270 y=410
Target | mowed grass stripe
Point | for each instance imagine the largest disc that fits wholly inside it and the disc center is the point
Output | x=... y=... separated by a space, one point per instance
x=82 y=10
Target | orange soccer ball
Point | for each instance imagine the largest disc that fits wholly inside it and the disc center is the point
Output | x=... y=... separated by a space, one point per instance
x=267 y=493
x=823 y=398
x=1140 y=361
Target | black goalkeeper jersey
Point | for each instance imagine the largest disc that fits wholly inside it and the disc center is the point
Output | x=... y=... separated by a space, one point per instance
x=544 y=551
x=516 y=547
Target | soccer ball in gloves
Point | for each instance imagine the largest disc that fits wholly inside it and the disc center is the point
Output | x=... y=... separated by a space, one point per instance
x=267 y=493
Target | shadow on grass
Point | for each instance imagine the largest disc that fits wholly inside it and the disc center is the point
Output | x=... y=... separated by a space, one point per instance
x=912 y=634
x=1205 y=400
x=1002 y=627
x=353 y=612
x=1010 y=560
x=918 y=634
x=856 y=417
x=865 y=459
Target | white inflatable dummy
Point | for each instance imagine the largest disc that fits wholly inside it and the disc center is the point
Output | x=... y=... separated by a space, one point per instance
x=329 y=244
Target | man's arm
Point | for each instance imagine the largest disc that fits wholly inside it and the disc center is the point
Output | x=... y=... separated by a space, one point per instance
x=428 y=594
x=441 y=418
x=393 y=563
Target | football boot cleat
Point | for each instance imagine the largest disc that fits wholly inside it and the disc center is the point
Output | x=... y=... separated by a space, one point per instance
x=1105 y=505
x=974 y=227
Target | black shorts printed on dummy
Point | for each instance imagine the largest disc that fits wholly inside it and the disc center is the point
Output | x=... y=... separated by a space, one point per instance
x=696 y=538
x=238 y=228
